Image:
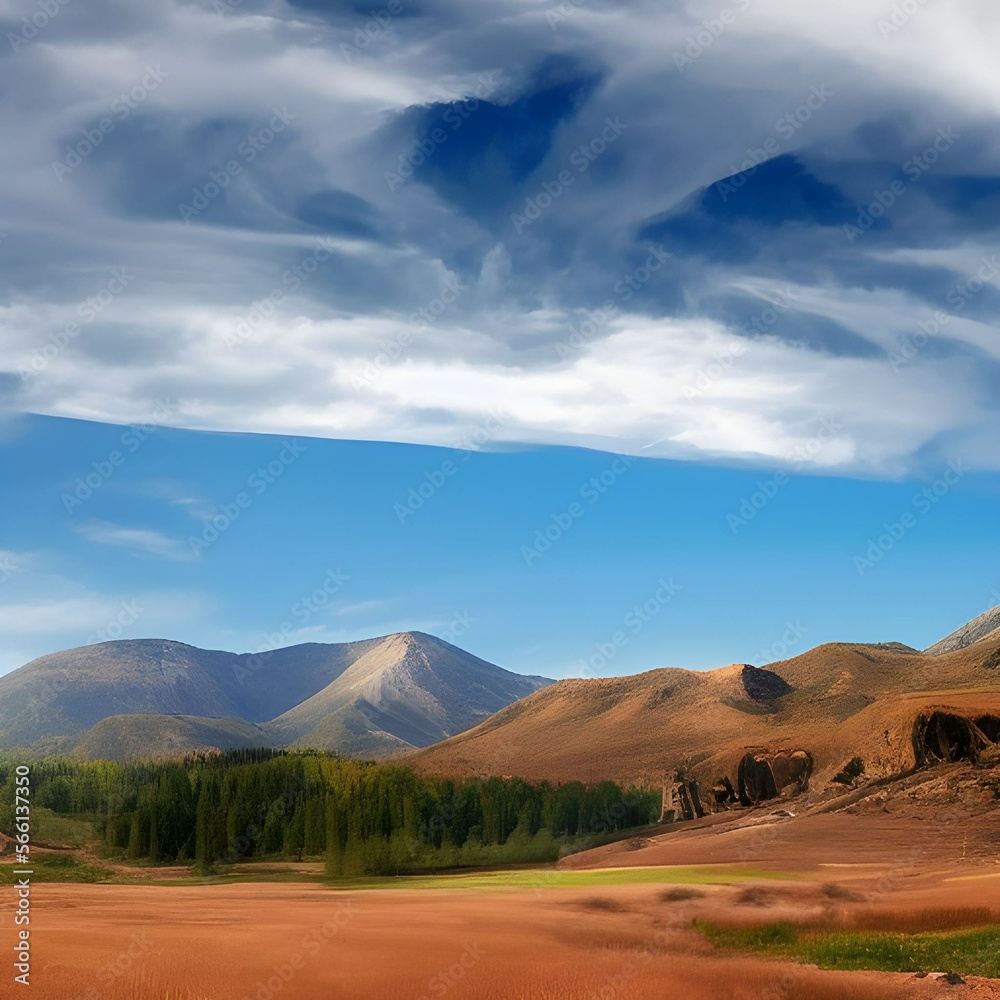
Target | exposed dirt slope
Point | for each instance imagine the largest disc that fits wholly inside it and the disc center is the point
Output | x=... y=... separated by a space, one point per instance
x=836 y=702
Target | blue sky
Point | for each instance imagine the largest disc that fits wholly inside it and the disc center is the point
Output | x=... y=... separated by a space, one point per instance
x=558 y=561
x=724 y=241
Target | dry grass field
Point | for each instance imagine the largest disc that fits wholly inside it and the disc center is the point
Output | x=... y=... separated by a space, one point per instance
x=264 y=941
x=589 y=929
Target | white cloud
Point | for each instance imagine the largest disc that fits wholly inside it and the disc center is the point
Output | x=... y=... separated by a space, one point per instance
x=136 y=540
x=42 y=609
x=626 y=389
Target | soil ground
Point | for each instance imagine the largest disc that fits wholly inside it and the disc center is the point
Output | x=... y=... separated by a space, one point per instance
x=532 y=935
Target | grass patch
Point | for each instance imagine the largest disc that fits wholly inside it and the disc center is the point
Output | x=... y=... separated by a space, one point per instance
x=533 y=878
x=551 y=877
x=48 y=827
x=974 y=952
x=63 y=868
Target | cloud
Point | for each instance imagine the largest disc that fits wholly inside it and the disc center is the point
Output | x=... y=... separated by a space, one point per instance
x=395 y=229
x=362 y=607
x=42 y=606
x=136 y=540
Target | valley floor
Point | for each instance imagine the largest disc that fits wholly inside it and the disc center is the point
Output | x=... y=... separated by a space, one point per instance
x=626 y=921
x=622 y=933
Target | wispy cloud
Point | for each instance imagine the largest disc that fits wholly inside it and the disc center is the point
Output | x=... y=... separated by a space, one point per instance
x=141 y=541
x=362 y=607
x=198 y=507
x=412 y=240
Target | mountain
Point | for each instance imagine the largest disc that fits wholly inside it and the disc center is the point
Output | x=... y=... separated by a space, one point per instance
x=411 y=687
x=369 y=697
x=888 y=705
x=979 y=628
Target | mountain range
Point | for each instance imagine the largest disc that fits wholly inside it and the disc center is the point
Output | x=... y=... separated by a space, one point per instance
x=132 y=698
x=885 y=707
x=443 y=710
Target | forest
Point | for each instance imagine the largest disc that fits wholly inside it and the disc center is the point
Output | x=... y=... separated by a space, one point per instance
x=362 y=818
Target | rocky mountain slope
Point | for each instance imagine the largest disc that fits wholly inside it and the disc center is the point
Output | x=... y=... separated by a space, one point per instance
x=985 y=625
x=153 y=696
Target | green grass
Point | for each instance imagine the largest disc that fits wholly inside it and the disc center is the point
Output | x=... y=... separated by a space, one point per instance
x=551 y=877
x=533 y=878
x=48 y=827
x=974 y=952
x=60 y=868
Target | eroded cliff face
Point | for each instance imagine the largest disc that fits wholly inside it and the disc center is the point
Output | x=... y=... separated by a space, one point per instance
x=948 y=736
x=938 y=736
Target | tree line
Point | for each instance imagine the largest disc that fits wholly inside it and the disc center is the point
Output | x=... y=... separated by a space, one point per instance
x=361 y=817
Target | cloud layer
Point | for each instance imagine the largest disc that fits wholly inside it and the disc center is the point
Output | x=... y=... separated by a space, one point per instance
x=700 y=231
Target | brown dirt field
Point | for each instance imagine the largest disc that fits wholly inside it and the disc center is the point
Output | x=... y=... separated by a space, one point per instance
x=923 y=851
x=306 y=942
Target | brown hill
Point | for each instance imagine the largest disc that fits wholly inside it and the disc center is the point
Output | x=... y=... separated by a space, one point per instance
x=836 y=702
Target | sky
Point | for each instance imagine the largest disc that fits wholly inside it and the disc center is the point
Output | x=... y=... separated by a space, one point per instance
x=719 y=255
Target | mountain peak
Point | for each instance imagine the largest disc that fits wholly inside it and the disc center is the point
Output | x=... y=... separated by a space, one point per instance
x=366 y=697
x=979 y=628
